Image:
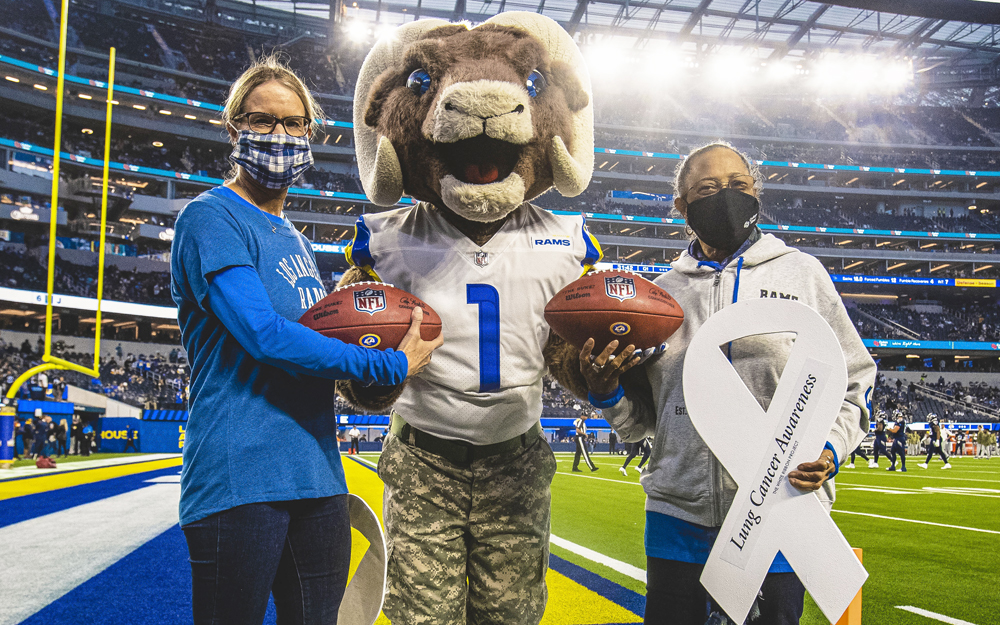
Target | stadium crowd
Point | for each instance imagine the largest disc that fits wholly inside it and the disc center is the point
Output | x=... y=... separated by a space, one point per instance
x=23 y=269
x=145 y=381
x=965 y=323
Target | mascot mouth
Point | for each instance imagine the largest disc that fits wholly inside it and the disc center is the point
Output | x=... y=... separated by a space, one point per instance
x=480 y=160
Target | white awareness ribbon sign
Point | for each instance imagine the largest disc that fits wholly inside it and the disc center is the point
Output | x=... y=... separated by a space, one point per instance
x=366 y=591
x=759 y=448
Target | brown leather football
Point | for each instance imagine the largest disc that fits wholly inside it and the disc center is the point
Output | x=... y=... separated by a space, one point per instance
x=609 y=305
x=370 y=314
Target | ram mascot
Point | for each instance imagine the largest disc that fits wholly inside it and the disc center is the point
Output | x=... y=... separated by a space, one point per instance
x=473 y=123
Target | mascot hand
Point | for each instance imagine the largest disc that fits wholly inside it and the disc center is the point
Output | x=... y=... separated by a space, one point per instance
x=648 y=353
x=418 y=351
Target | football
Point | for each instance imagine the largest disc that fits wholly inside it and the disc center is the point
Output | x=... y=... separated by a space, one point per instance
x=609 y=305
x=370 y=314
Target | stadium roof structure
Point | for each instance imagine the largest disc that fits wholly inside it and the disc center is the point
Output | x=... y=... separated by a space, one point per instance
x=950 y=43
x=780 y=26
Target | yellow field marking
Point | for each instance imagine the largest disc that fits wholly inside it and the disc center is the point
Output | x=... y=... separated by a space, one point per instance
x=20 y=488
x=569 y=602
x=572 y=604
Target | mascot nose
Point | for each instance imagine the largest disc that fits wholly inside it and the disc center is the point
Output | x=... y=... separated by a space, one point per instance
x=498 y=109
x=448 y=106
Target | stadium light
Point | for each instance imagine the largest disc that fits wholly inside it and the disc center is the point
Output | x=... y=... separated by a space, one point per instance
x=12 y=79
x=384 y=30
x=139 y=107
x=87 y=131
x=157 y=144
x=189 y=116
x=357 y=31
x=41 y=87
x=782 y=71
x=214 y=121
x=165 y=112
x=731 y=70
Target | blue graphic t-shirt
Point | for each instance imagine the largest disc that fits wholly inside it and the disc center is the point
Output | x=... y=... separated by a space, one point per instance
x=260 y=429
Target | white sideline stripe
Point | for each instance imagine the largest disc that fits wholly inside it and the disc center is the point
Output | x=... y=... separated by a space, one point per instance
x=892 y=518
x=102 y=533
x=165 y=479
x=896 y=490
x=368 y=462
x=900 y=474
x=603 y=479
x=616 y=565
x=884 y=491
x=84 y=464
x=934 y=615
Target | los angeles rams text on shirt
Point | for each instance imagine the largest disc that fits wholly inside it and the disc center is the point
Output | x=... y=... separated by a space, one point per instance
x=778 y=295
x=296 y=266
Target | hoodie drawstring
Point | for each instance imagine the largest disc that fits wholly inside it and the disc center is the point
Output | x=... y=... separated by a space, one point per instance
x=736 y=295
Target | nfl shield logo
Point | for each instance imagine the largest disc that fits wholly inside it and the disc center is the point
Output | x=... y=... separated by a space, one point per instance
x=619 y=287
x=482 y=259
x=369 y=301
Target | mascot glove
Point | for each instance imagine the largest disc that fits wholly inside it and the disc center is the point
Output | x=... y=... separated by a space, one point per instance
x=646 y=354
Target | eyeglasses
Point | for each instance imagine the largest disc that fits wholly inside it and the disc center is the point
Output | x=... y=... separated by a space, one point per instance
x=743 y=183
x=264 y=123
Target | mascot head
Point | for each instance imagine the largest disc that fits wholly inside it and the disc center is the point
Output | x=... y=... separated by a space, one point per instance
x=478 y=120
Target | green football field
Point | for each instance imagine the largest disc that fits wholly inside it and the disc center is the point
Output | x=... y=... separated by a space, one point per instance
x=931 y=537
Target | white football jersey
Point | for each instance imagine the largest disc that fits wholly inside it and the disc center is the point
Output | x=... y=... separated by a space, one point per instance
x=484 y=385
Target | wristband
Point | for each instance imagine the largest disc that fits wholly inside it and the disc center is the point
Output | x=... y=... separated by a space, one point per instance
x=608 y=400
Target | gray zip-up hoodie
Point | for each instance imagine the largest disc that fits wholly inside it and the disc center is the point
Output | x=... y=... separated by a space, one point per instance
x=684 y=479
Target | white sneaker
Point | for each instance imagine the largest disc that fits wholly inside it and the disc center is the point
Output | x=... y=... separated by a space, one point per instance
x=850 y=466
x=922 y=465
x=872 y=464
x=624 y=471
x=947 y=465
x=638 y=470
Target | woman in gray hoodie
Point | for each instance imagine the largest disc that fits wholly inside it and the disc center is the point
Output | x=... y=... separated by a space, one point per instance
x=688 y=491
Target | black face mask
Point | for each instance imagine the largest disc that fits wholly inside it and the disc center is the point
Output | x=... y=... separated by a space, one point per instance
x=725 y=219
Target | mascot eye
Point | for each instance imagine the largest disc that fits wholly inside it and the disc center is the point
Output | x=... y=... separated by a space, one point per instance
x=419 y=82
x=536 y=83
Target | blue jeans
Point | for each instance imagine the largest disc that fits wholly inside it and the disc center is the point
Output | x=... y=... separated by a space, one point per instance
x=298 y=550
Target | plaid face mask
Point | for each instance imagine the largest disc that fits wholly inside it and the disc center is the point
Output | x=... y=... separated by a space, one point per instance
x=275 y=161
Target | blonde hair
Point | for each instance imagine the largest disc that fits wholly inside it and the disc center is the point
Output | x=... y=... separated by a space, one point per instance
x=267 y=68
x=684 y=167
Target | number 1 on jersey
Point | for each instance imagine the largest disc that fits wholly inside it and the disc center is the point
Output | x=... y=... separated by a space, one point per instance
x=488 y=300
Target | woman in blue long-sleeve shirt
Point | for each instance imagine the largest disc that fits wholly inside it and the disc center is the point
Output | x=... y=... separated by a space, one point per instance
x=263 y=495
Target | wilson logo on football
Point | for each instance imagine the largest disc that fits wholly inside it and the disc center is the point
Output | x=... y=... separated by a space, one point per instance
x=369 y=301
x=619 y=287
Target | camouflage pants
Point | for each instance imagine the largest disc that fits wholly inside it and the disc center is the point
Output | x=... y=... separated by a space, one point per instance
x=466 y=544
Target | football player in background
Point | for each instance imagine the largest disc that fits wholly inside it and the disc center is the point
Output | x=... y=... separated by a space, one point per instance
x=899 y=432
x=634 y=449
x=880 y=438
x=936 y=443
